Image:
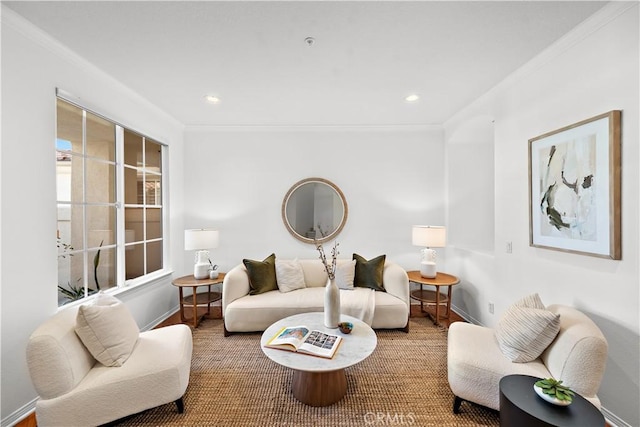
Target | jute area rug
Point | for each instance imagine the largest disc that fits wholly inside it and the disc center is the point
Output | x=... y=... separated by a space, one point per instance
x=403 y=383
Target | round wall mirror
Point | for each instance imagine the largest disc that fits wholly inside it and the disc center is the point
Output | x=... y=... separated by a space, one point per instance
x=314 y=209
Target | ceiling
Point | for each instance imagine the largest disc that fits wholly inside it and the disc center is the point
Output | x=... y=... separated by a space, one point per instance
x=366 y=58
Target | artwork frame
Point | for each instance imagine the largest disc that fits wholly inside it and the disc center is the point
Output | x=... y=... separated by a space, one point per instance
x=574 y=188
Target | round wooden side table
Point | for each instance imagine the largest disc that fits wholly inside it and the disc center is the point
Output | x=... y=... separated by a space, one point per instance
x=430 y=297
x=196 y=299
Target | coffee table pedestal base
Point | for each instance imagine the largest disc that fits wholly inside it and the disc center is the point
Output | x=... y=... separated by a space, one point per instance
x=319 y=388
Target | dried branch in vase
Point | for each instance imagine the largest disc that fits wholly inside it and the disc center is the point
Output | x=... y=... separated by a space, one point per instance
x=331 y=270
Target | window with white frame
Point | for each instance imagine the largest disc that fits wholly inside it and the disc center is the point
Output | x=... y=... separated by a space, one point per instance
x=109 y=197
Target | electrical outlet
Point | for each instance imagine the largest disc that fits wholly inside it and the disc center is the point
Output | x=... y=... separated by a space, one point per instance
x=509 y=247
x=491 y=307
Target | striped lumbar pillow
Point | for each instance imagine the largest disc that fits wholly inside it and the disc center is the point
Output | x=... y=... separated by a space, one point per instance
x=526 y=329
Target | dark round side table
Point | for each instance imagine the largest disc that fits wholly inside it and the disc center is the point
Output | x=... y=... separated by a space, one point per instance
x=520 y=406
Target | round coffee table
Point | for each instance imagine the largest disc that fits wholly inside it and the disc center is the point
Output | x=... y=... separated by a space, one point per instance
x=521 y=406
x=318 y=381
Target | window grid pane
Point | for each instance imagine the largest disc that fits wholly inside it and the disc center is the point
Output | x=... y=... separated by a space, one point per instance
x=154 y=256
x=101 y=138
x=70 y=278
x=152 y=156
x=101 y=181
x=103 y=271
x=132 y=149
x=69 y=178
x=134 y=261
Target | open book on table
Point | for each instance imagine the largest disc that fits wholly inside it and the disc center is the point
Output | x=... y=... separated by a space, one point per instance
x=304 y=340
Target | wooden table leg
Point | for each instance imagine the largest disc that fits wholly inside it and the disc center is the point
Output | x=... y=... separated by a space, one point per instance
x=319 y=388
x=182 y=317
x=194 y=296
x=449 y=303
x=437 y=318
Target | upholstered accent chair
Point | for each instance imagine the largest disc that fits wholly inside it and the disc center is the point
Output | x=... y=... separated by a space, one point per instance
x=476 y=362
x=75 y=389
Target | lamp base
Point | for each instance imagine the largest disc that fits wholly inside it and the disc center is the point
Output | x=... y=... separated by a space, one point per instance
x=428 y=270
x=201 y=271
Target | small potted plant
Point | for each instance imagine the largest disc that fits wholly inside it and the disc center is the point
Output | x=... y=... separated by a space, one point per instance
x=554 y=391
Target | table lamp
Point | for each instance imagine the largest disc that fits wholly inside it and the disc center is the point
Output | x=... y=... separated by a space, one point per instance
x=428 y=236
x=200 y=240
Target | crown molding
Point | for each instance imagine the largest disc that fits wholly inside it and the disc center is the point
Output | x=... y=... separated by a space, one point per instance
x=314 y=128
x=591 y=25
x=28 y=30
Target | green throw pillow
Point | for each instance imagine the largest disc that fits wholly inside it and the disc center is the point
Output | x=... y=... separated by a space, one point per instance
x=262 y=275
x=369 y=273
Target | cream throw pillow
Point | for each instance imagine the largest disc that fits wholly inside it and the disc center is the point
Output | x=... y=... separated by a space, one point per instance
x=530 y=301
x=289 y=275
x=107 y=329
x=526 y=330
x=345 y=273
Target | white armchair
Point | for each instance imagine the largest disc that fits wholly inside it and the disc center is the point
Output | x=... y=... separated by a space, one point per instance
x=476 y=364
x=76 y=390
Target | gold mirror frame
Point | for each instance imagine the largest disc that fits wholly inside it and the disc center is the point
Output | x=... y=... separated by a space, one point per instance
x=323 y=238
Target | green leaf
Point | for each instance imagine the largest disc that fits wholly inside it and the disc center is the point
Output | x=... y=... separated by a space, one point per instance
x=96 y=262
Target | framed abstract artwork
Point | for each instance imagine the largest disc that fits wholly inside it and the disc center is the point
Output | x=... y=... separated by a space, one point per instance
x=574 y=188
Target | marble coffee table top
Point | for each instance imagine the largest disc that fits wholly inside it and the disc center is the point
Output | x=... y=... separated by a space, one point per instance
x=355 y=347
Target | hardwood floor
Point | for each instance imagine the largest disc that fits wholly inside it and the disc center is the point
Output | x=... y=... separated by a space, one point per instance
x=430 y=312
x=29 y=421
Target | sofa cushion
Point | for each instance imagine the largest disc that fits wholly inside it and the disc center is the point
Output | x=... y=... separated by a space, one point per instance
x=524 y=332
x=345 y=274
x=369 y=273
x=289 y=275
x=262 y=275
x=108 y=330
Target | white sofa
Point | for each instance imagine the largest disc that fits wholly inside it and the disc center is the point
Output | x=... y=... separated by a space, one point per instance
x=577 y=356
x=76 y=390
x=249 y=313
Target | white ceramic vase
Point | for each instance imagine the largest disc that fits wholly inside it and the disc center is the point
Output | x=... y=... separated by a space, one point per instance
x=331 y=304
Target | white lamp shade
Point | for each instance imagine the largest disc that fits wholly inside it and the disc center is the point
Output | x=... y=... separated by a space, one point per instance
x=200 y=238
x=429 y=236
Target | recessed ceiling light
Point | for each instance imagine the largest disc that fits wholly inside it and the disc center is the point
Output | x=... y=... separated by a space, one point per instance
x=412 y=98
x=212 y=99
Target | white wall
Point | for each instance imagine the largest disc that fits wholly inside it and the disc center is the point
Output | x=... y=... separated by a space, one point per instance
x=392 y=178
x=593 y=70
x=32 y=67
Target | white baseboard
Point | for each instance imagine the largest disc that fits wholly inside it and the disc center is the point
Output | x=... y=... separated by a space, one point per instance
x=19 y=415
x=155 y=322
x=612 y=419
x=466 y=316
